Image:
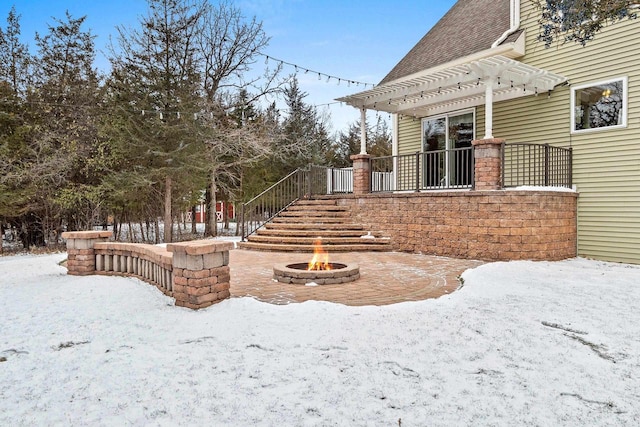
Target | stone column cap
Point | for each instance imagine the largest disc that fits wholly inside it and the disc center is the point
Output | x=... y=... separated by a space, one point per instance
x=360 y=156
x=86 y=234
x=200 y=247
x=490 y=141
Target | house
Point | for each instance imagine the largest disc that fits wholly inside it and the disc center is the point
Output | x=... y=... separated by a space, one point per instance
x=480 y=74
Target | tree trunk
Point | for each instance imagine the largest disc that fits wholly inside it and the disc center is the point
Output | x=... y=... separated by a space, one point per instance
x=168 y=219
x=116 y=229
x=142 y=237
x=156 y=238
x=225 y=216
x=213 y=218
x=194 y=228
x=131 y=236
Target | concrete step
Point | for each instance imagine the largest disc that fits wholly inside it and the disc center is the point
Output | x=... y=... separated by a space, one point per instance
x=312 y=233
x=309 y=248
x=314 y=214
x=311 y=226
x=307 y=220
x=297 y=228
x=326 y=241
x=317 y=208
x=306 y=202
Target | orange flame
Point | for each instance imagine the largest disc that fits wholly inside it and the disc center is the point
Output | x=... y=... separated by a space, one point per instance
x=320 y=260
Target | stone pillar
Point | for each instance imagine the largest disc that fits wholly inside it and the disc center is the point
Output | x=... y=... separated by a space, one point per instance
x=200 y=272
x=361 y=173
x=488 y=163
x=81 y=258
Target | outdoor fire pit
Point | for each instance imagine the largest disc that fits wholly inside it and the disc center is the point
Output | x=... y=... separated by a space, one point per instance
x=318 y=271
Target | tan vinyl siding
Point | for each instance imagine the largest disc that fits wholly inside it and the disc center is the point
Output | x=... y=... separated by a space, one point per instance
x=409 y=135
x=606 y=163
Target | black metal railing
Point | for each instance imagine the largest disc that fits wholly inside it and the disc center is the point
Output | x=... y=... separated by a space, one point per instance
x=301 y=183
x=430 y=170
x=266 y=205
x=525 y=164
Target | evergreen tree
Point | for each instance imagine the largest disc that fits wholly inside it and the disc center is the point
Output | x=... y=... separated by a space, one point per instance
x=348 y=143
x=305 y=137
x=155 y=92
x=14 y=56
x=15 y=131
x=68 y=100
x=49 y=135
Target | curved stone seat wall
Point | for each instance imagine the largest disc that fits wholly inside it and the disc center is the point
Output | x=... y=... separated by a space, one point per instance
x=195 y=273
x=153 y=264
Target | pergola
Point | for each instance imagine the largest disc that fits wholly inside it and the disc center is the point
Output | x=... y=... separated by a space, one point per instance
x=456 y=86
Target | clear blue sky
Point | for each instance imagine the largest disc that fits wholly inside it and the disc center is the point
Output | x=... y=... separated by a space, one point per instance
x=352 y=39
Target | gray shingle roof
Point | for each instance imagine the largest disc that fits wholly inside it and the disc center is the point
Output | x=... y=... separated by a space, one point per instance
x=469 y=26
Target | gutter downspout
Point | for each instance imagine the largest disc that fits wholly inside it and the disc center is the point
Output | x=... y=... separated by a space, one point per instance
x=514 y=20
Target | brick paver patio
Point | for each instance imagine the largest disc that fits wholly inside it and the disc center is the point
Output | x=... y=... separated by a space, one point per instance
x=385 y=277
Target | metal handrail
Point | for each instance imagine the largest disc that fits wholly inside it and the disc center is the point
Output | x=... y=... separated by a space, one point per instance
x=314 y=180
x=423 y=170
x=527 y=164
x=266 y=205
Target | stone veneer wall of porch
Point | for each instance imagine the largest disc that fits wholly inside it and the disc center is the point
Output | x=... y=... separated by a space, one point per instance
x=487 y=225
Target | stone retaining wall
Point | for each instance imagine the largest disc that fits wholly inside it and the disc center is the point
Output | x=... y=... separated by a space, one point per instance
x=485 y=225
x=195 y=273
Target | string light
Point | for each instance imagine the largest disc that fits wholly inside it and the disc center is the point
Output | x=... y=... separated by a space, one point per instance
x=329 y=77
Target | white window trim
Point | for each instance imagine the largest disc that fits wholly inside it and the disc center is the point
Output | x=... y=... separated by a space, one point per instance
x=625 y=103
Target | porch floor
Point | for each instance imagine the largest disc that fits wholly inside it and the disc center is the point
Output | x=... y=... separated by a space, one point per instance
x=385 y=277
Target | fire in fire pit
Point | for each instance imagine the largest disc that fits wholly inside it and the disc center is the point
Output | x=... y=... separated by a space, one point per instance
x=320 y=260
x=318 y=271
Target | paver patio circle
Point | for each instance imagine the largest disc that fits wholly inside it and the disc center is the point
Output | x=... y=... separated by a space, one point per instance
x=385 y=277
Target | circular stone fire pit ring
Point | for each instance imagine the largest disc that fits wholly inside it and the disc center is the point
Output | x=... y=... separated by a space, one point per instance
x=298 y=274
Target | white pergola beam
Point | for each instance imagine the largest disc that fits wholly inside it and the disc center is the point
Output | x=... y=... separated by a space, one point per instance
x=463 y=84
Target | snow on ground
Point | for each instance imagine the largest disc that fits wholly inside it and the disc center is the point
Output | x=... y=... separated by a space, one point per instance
x=522 y=343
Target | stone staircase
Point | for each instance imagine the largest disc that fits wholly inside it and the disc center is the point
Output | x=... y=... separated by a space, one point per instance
x=296 y=228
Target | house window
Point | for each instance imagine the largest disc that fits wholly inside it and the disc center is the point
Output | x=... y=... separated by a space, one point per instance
x=446 y=144
x=598 y=106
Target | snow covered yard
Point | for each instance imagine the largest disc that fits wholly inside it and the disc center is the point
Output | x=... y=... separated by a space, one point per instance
x=522 y=343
